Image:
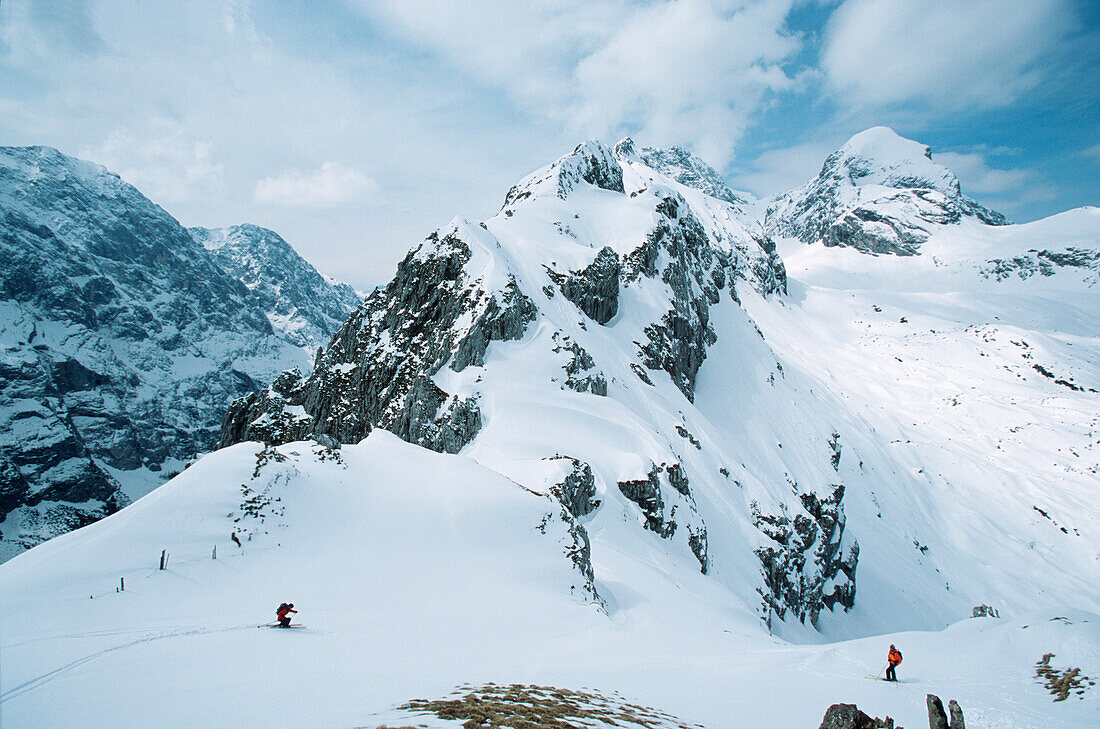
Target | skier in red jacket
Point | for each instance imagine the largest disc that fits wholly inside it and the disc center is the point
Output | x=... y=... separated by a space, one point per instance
x=283 y=613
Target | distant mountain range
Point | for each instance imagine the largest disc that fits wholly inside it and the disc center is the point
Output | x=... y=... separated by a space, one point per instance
x=125 y=334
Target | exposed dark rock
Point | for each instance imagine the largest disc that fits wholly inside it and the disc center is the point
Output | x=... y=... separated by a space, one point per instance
x=834 y=444
x=937 y=718
x=640 y=371
x=685 y=433
x=890 y=235
x=806 y=557
x=955 y=715
x=648 y=493
x=848 y=716
x=577 y=548
x=595 y=290
x=425 y=421
x=678 y=343
x=577 y=492
x=1042 y=262
x=984 y=611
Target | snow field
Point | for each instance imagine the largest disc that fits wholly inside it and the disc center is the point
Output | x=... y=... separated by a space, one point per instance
x=416 y=573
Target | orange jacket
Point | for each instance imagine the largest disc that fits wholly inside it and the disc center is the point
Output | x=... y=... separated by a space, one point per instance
x=894 y=657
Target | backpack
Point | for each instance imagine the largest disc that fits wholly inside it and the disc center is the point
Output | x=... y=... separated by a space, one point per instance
x=282 y=607
x=899 y=656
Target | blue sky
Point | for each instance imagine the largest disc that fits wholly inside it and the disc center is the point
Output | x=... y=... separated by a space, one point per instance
x=355 y=127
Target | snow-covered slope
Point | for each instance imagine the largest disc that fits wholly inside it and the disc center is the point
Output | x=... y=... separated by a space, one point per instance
x=416 y=573
x=123 y=339
x=879 y=193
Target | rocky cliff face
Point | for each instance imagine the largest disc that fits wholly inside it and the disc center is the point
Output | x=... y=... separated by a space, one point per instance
x=587 y=305
x=880 y=194
x=123 y=338
x=302 y=306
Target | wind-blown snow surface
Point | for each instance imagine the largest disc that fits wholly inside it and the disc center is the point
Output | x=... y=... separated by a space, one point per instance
x=416 y=572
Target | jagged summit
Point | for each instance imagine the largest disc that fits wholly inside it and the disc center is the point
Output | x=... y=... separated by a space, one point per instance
x=687 y=169
x=38 y=162
x=591 y=162
x=879 y=193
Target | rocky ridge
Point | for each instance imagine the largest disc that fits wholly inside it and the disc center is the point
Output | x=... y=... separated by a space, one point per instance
x=600 y=277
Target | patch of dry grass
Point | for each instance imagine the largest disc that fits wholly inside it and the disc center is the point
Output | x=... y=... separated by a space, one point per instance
x=1061 y=683
x=541 y=707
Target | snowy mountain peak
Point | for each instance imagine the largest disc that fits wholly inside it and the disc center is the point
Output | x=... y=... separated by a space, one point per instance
x=591 y=162
x=879 y=193
x=881 y=156
x=36 y=161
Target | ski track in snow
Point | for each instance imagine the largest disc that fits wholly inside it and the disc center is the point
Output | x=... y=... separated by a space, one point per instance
x=38 y=681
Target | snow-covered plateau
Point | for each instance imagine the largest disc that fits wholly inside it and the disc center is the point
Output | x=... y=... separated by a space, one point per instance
x=639 y=437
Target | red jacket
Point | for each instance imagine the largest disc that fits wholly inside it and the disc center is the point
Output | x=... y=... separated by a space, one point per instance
x=894 y=657
x=282 y=613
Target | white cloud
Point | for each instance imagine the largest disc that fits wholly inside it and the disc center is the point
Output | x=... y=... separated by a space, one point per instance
x=779 y=170
x=330 y=186
x=943 y=53
x=693 y=72
x=1094 y=152
x=163 y=162
x=976 y=176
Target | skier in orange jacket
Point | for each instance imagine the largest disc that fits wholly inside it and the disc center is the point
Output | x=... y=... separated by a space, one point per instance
x=893 y=659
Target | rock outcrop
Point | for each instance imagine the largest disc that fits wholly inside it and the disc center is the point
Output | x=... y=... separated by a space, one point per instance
x=809 y=566
x=848 y=716
x=377 y=370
